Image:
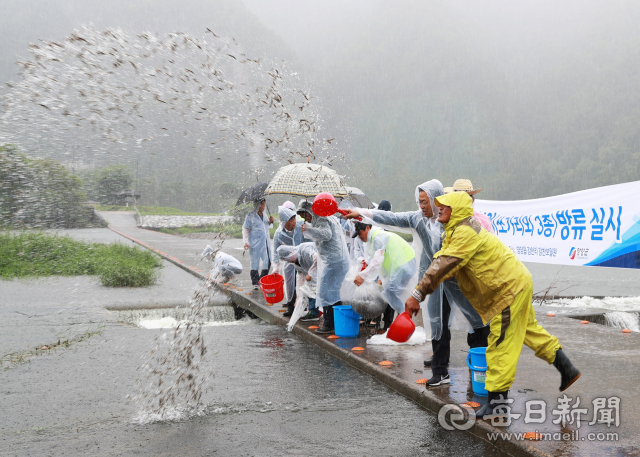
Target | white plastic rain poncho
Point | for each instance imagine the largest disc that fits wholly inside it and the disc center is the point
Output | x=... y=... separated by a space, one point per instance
x=394 y=261
x=224 y=265
x=255 y=233
x=304 y=259
x=283 y=237
x=427 y=240
x=333 y=258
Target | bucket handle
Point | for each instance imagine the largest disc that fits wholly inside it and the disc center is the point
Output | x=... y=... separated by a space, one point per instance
x=473 y=367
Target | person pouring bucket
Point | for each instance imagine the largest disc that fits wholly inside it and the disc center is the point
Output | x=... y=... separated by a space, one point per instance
x=333 y=263
x=304 y=259
x=284 y=237
x=255 y=235
x=390 y=258
x=500 y=288
x=427 y=239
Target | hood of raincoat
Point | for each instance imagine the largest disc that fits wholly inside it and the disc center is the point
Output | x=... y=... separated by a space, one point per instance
x=289 y=205
x=461 y=208
x=434 y=189
x=285 y=214
x=287 y=253
x=305 y=206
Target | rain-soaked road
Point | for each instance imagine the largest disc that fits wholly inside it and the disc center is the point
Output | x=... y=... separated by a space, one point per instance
x=272 y=394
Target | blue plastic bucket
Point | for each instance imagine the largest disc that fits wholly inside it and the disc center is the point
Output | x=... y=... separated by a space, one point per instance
x=346 y=321
x=477 y=362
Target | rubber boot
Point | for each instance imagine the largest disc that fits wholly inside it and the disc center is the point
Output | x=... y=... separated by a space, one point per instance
x=327 y=326
x=289 y=311
x=569 y=373
x=254 y=277
x=490 y=410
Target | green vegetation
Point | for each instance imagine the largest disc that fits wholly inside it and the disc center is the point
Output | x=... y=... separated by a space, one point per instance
x=105 y=184
x=154 y=210
x=40 y=193
x=34 y=254
x=227 y=230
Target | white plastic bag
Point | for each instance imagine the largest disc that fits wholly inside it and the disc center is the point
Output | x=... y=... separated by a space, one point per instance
x=302 y=301
x=366 y=300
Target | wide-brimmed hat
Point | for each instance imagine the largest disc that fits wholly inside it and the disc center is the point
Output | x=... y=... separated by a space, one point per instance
x=462 y=185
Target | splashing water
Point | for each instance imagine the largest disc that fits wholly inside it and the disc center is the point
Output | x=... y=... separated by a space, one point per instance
x=99 y=98
x=177 y=108
x=623 y=320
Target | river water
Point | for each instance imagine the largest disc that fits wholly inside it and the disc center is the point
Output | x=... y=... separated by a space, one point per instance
x=274 y=394
x=271 y=394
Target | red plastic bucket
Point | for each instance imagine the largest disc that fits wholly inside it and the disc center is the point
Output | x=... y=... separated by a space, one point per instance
x=272 y=287
x=401 y=329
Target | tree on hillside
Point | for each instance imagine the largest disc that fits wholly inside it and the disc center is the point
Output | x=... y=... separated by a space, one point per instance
x=109 y=182
x=39 y=193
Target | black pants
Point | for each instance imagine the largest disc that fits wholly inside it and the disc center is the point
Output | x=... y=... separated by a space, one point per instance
x=479 y=338
x=327 y=313
x=292 y=302
x=442 y=347
x=388 y=315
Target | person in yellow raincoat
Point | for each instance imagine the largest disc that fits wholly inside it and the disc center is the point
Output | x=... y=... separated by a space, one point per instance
x=500 y=288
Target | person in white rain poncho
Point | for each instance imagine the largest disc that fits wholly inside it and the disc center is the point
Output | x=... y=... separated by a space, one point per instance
x=224 y=267
x=333 y=264
x=391 y=259
x=255 y=234
x=284 y=237
x=447 y=299
x=303 y=258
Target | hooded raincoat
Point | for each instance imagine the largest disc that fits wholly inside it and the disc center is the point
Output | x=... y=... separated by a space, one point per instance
x=497 y=284
x=427 y=240
x=225 y=265
x=283 y=237
x=394 y=261
x=303 y=258
x=255 y=233
x=333 y=258
x=488 y=272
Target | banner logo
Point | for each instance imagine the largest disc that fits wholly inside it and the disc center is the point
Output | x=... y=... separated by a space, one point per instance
x=572 y=253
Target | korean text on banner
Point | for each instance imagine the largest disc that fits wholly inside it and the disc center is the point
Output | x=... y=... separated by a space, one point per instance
x=596 y=227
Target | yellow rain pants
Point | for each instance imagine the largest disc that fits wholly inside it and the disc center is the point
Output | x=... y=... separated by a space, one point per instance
x=516 y=324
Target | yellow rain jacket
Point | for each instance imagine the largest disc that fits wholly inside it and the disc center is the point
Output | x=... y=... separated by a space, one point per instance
x=488 y=272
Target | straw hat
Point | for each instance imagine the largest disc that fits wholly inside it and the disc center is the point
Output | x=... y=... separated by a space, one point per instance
x=462 y=185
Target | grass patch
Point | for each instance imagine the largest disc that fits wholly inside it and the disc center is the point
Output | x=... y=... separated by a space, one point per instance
x=228 y=230
x=153 y=210
x=36 y=254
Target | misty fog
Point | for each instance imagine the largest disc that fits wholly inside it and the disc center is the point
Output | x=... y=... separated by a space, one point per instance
x=527 y=99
